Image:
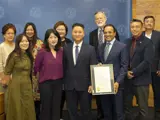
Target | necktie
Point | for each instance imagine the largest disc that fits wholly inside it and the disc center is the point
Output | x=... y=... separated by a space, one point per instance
x=76 y=53
x=100 y=37
x=133 y=47
x=106 y=50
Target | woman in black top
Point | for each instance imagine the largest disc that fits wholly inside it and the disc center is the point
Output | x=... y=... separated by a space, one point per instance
x=62 y=29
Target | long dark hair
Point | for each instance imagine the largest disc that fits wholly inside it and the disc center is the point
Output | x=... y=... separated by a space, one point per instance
x=47 y=34
x=18 y=50
x=33 y=40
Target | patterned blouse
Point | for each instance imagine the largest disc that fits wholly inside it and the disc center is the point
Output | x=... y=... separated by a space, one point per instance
x=36 y=93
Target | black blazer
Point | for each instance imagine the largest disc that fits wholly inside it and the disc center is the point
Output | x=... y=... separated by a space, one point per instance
x=93 y=39
x=78 y=76
x=156 y=41
x=140 y=61
x=66 y=42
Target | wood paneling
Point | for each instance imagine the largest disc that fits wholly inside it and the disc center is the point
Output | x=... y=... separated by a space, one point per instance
x=141 y=8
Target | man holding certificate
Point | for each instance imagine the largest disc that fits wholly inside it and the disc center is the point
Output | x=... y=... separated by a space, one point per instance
x=114 y=52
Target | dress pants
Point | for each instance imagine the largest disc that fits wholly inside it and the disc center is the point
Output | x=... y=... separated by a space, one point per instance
x=141 y=93
x=113 y=106
x=50 y=92
x=156 y=91
x=63 y=99
x=74 y=97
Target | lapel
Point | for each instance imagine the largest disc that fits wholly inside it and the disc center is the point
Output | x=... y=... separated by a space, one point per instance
x=114 y=47
x=153 y=37
x=81 y=53
x=96 y=37
x=101 y=52
x=138 y=44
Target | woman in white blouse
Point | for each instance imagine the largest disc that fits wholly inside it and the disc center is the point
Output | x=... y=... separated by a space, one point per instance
x=6 y=47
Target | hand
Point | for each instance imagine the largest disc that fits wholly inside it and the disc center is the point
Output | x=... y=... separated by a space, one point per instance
x=5 y=80
x=99 y=64
x=130 y=74
x=116 y=87
x=158 y=73
x=90 y=89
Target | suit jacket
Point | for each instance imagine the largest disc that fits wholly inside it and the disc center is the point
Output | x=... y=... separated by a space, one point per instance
x=66 y=42
x=78 y=76
x=119 y=58
x=140 y=61
x=156 y=41
x=93 y=39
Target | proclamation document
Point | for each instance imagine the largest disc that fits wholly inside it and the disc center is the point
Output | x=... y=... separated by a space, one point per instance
x=102 y=79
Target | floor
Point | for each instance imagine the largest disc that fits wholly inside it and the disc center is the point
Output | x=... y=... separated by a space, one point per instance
x=150 y=117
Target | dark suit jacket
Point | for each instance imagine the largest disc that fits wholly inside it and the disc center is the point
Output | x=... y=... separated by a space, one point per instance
x=66 y=42
x=93 y=38
x=119 y=58
x=156 y=41
x=78 y=76
x=140 y=61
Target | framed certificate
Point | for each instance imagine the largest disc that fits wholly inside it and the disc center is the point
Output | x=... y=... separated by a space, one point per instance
x=102 y=79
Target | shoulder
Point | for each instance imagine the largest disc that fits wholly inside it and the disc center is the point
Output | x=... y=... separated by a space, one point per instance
x=89 y=47
x=156 y=32
x=2 y=45
x=94 y=31
x=120 y=44
x=68 y=40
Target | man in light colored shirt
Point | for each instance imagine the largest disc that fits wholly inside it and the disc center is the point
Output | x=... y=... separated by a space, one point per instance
x=149 y=23
x=77 y=60
x=114 y=52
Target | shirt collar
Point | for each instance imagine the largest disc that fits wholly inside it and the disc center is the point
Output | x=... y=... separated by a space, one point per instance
x=79 y=45
x=111 y=42
x=148 y=35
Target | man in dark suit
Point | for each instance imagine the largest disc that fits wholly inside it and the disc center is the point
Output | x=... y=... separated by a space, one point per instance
x=96 y=38
x=114 y=52
x=139 y=72
x=149 y=23
x=77 y=60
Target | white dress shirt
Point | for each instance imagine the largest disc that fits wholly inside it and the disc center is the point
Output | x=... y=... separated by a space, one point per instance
x=148 y=36
x=111 y=44
x=73 y=50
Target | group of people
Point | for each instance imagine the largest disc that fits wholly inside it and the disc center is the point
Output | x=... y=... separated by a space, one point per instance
x=38 y=76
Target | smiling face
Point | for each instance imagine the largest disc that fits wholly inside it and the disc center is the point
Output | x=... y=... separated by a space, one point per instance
x=9 y=35
x=52 y=40
x=100 y=19
x=109 y=33
x=24 y=44
x=78 y=34
x=61 y=30
x=136 y=28
x=30 y=31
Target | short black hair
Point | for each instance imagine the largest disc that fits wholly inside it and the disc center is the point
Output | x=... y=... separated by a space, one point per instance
x=110 y=25
x=137 y=20
x=77 y=24
x=148 y=16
